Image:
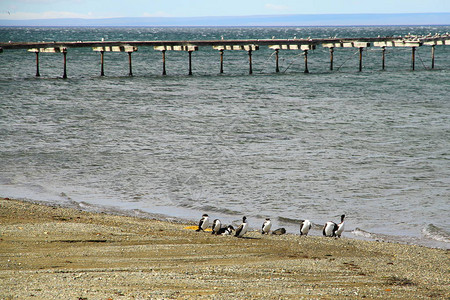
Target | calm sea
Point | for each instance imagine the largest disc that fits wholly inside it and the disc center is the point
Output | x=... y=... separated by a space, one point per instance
x=374 y=145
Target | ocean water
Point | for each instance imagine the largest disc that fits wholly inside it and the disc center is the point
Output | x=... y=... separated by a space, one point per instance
x=374 y=145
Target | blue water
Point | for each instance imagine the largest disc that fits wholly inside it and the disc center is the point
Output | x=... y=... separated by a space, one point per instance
x=372 y=144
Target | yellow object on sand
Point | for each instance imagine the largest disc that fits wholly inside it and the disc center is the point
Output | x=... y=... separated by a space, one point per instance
x=195 y=227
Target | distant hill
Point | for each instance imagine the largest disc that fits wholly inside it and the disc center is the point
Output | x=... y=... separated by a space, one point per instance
x=268 y=20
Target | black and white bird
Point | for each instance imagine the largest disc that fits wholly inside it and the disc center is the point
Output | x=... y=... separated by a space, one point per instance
x=341 y=227
x=242 y=229
x=216 y=226
x=305 y=226
x=226 y=230
x=204 y=223
x=266 y=226
x=331 y=229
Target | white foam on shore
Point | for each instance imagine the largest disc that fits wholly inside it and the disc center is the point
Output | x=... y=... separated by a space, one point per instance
x=432 y=240
x=435 y=233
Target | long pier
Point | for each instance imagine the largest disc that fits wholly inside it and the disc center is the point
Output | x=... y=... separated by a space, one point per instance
x=249 y=45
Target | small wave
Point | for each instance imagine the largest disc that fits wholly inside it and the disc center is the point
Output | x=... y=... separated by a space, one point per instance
x=83 y=204
x=435 y=237
x=358 y=232
x=289 y=220
x=297 y=222
x=220 y=210
x=362 y=233
x=435 y=233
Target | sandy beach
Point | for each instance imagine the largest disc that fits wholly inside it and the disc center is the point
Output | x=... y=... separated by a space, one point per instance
x=50 y=252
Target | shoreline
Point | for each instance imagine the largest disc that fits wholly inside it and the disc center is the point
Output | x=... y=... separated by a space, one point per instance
x=189 y=218
x=54 y=252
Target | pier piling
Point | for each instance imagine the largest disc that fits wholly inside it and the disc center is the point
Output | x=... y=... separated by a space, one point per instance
x=331 y=46
x=221 y=61
x=129 y=63
x=65 y=64
x=360 y=58
x=277 y=67
x=383 y=58
x=37 y=65
x=331 y=58
x=250 y=62
x=164 y=62
x=102 y=63
x=432 y=56
x=413 y=58
x=190 y=62
x=305 y=54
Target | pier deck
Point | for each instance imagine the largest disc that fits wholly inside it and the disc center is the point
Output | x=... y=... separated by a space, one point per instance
x=397 y=41
x=249 y=45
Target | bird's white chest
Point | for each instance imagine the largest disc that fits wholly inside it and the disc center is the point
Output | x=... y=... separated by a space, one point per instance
x=217 y=226
x=205 y=223
x=244 y=229
x=305 y=227
x=267 y=226
x=329 y=228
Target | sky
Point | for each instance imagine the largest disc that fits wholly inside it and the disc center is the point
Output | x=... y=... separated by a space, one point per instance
x=49 y=9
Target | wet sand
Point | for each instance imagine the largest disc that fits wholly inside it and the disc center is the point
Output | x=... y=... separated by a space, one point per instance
x=49 y=252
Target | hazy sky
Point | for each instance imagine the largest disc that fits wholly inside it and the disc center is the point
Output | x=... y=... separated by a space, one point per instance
x=43 y=9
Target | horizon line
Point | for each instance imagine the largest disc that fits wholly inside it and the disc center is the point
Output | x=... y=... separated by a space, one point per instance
x=285 y=20
x=228 y=16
